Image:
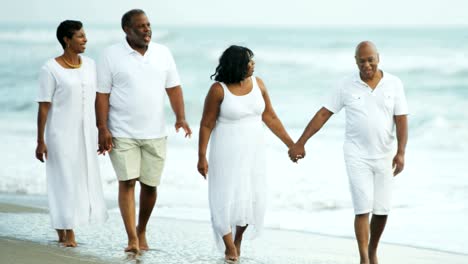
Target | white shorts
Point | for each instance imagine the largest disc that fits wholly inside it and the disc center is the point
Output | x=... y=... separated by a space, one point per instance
x=370 y=182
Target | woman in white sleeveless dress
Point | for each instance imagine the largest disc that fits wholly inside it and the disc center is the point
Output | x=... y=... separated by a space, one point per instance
x=235 y=109
x=67 y=136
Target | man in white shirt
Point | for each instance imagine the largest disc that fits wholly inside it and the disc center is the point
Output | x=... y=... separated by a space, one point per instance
x=133 y=78
x=375 y=104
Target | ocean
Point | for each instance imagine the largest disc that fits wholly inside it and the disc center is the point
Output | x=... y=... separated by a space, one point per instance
x=299 y=67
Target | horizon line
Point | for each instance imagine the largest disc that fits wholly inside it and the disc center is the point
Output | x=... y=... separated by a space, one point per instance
x=267 y=26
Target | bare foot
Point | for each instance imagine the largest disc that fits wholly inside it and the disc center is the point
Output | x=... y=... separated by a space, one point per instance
x=231 y=255
x=61 y=235
x=70 y=244
x=133 y=247
x=70 y=239
x=142 y=239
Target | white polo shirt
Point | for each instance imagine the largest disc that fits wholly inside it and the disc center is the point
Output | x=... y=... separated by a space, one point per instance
x=370 y=127
x=137 y=85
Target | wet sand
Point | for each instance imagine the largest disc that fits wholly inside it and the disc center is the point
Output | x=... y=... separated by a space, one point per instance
x=182 y=241
x=14 y=251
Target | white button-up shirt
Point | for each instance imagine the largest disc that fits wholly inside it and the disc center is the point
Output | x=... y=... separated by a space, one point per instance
x=370 y=125
x=136 y=84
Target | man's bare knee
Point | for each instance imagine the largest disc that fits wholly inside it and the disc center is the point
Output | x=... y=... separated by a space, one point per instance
x=147 y=188
x=128 y=184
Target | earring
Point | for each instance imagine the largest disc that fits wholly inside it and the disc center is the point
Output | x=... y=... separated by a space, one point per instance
x=68 y=45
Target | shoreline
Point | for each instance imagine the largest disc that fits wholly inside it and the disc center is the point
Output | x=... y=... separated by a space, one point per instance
x=22 y=207
x=184 y=241
x=17 y=251
x=353 y=239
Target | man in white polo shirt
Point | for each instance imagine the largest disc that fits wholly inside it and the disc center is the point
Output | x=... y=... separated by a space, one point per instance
x=133 y=78
x=375 y=104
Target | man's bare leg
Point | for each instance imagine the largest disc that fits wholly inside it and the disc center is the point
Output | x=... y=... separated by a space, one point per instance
x=238 y=239
x=231 y=251
x=361 y=229
x=61 y=235
x=377 y=227
x=148 y=195
x=127 y=210
x=70 y=239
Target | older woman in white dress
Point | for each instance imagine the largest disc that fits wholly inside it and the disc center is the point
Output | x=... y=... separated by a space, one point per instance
x=67 y=135
x=235 y=109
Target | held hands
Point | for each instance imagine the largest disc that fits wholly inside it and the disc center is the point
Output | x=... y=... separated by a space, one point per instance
x=41 y=151
x=296 y=152
x=185 y=126
x=398 y=163
x=105 y=141
x=202 y=166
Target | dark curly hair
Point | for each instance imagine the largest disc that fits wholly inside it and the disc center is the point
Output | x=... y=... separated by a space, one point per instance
x=233 y=65
x=66 y=29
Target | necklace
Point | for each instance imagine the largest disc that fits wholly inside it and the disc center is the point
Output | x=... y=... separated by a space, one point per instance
x=71 y=65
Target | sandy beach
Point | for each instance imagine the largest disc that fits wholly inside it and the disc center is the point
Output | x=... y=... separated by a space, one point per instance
x=20 y=251
x=181 y=241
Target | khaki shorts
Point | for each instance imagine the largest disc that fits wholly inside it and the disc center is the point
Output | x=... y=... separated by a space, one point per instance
x=141 y=159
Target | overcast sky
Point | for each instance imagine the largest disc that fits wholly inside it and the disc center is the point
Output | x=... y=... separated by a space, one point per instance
x=244 y=12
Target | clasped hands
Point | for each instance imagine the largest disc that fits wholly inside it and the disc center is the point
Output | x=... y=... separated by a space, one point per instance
x=296 y=152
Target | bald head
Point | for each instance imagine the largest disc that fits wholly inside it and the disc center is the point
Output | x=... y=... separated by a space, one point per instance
x=367 y=60
x=365 y=45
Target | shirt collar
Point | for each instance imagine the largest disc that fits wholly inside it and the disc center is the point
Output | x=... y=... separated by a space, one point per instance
x=130 y=50
x=357 y=77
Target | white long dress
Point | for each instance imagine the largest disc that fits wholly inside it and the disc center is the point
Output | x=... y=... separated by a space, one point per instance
x=73 y=182
x=236 y=175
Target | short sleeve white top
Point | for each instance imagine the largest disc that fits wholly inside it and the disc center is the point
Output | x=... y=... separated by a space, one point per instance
x=370 y=126
x=137 y=84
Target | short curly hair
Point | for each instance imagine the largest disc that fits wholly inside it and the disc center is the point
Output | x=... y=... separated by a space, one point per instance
x=127 y=17
x=67 y=29
x=233 y=65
